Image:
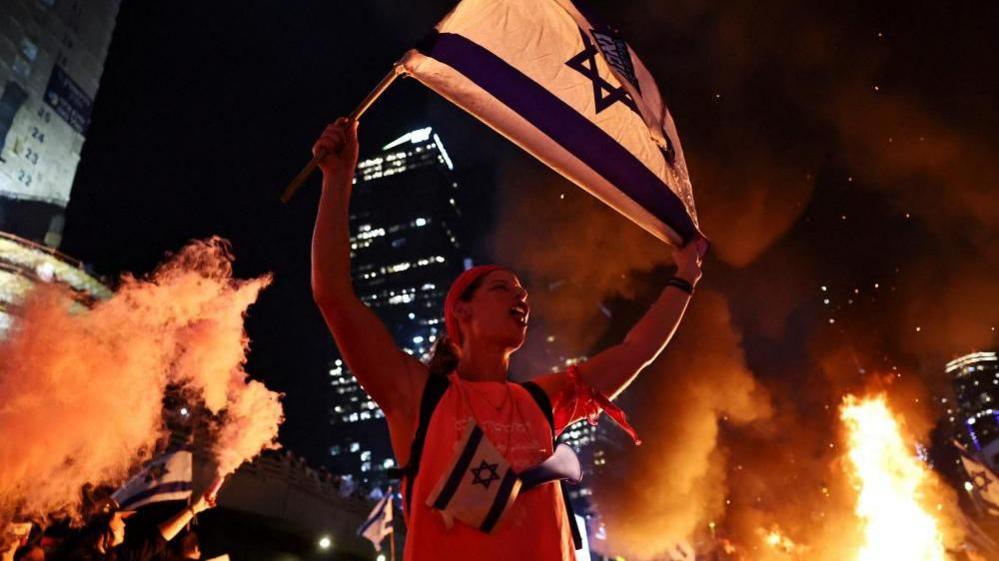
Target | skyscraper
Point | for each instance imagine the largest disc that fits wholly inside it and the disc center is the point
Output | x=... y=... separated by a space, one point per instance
x=405 y=251
x=975 y=377
x=51 y=60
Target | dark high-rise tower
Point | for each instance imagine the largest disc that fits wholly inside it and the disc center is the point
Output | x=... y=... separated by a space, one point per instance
x=976 y=413
x=405 y=251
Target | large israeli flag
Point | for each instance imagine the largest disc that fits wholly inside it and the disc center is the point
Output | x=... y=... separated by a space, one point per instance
x=166 y=478
x=570 y=91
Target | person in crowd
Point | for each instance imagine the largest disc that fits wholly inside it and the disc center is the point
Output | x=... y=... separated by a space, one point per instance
x=103 y=537
x=486 y=314
x=184 y=548
x=15 y=537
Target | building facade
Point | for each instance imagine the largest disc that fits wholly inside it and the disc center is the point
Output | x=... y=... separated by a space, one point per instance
x=51 y=59
x=975 y=412
x=24 y=264
x=405 y=251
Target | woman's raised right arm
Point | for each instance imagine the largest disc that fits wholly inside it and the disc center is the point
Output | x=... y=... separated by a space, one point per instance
x=391 y=377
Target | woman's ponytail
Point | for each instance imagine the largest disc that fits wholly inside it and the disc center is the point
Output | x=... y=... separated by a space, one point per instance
x=443 y=357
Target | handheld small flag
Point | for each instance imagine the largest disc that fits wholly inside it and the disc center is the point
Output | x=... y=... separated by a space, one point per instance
x=984 y=483
x=379 y=522
x=478 y=487
x=166 y=478
x=571 y=92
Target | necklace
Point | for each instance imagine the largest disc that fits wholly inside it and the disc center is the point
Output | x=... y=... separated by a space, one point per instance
x=503 y=401
x=464 y=388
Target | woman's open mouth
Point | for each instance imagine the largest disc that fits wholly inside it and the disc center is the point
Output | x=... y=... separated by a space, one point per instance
x=520 y=313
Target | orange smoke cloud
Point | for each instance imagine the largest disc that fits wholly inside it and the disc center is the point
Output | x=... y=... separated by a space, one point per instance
x=748 y=206
x=584 y=256
x=943 y=176
x=805 y=176
x=661 y=493
x=81 y=393
x=572 y=251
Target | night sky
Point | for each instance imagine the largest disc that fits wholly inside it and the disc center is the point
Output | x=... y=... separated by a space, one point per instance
x=849 y=146
x=205 y=112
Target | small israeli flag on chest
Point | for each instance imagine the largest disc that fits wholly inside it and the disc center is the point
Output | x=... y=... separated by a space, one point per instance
x=479 y=486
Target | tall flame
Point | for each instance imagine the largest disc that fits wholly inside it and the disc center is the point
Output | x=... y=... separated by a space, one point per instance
x=891 y=484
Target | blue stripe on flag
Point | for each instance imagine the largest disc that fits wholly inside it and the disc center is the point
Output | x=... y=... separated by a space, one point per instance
x=172 y=487
x=460 y=468
x=499 y=503
x=563 y=124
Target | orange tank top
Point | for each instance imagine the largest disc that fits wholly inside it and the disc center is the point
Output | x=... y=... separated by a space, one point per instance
x=536 y=526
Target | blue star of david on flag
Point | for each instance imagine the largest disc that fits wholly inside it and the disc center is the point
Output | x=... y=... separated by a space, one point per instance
x=166 y=478
x=604 y=93
x=981 y=479
x=484 y=57
x=616 y=53
x=156 y=472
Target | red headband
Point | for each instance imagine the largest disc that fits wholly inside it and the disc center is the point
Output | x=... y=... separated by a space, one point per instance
x=458 y=287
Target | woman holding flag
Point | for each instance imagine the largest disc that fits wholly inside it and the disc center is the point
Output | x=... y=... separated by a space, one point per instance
x=463 y=491
x=103 y=537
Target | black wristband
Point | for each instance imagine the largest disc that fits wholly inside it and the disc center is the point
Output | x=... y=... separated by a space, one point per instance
x=681 y=284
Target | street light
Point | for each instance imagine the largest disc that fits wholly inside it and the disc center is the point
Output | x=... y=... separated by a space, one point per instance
x=325 y=542
x=381 y=557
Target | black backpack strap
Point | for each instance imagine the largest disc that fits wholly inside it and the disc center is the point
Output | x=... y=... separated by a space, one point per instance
x=545 y=404
x=433 y=391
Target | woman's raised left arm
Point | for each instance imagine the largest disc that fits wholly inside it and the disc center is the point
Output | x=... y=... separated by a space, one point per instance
x=611 y=370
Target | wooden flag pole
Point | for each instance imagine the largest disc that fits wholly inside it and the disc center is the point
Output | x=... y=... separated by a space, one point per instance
x=374 y=94
x=391 y=505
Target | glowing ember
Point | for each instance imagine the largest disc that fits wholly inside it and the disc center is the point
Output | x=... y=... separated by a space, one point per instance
x=777 y=540
x=891 y=483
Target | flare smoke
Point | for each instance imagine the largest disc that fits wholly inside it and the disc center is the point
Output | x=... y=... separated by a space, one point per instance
x=81 y=393
x=823 y=153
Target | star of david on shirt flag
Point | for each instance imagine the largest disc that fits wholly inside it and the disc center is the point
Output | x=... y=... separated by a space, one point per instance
x=478 y=487
x=571 y=92
x=485 y=474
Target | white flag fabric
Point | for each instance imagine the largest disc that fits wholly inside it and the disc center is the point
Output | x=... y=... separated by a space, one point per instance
x=166 y=478
x=570 y=91
x=985 y=484
x=583 y=553
x=379 y=522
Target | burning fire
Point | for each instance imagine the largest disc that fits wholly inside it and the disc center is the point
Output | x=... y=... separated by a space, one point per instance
x=777 y=540
x=891 y=485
